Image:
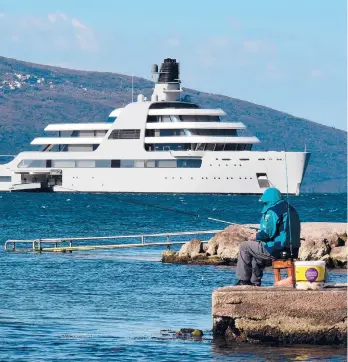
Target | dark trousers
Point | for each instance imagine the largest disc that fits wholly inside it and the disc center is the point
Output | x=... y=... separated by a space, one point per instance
x=252 y=259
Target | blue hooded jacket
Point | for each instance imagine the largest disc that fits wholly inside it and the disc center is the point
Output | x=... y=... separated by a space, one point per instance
x=275 y=222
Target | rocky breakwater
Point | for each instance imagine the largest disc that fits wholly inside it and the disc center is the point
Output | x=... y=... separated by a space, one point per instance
x=321 y=241
x=280 y=315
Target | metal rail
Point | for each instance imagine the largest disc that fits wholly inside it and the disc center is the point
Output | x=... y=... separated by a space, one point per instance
x=37 y=245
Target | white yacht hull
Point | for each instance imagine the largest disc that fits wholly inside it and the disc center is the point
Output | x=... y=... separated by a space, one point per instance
x=220 y=172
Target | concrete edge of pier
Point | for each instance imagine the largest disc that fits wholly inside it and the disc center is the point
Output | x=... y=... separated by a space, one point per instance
x=281 y=315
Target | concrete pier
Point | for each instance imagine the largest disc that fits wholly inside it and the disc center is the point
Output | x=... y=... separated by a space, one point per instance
x=280 y=315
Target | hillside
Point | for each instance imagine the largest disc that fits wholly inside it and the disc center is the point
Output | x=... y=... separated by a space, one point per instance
x=32 y=96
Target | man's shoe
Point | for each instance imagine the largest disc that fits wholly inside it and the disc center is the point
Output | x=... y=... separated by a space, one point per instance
x=256 y=284
x=243 y=282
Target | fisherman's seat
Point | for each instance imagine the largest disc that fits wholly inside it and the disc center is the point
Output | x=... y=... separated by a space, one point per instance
x=284 y=262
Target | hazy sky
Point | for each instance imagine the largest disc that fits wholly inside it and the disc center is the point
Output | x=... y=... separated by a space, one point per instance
x=288 y=55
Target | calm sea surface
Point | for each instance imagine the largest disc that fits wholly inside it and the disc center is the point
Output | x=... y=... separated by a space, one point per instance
x=124 y=304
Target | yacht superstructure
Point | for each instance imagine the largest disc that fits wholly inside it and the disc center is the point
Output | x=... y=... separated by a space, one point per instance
x=162 y=145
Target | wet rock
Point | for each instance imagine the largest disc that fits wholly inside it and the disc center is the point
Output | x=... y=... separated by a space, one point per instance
x=201 y=259
x=189 y=333
x=168 y=256
x=339 y=255
x=191 y=249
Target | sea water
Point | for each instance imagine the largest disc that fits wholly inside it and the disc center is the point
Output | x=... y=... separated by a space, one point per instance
x=125 y=304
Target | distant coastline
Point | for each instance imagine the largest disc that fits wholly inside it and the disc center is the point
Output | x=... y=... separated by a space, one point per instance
x=35 y=95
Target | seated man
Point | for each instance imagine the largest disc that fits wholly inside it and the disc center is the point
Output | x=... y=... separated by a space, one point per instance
x=279 y=222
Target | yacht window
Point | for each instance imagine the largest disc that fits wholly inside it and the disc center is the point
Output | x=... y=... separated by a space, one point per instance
x=111 y=119
x=230 y=147
x=127 y=163
x=195 y=163
x=65 y=134
x=187 y=118
x=167 y=163
x=150 y=163
x=139 y=163
x=210 y=147
x=200 y=146
x=169 y=132
x=168 y=147
x=219 y=147
x=86 y=134
x=99 y=133
x=103 y=163
x=80 y=148
x=63 y=163
x=125 y=134
x=262 y=179
x=190 y=163
x=5 y=178
x=85 y=163
x=33 y=163
x=161 y=105
x=152 y=119
x=115 y=163
x=214 y=132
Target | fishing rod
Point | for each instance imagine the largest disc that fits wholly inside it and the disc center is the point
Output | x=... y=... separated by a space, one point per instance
x=181 y=212
x=287 y=200
x=177 y=211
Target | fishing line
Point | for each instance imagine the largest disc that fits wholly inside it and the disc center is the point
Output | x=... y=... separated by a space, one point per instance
x=173 y=210
x=180 y=212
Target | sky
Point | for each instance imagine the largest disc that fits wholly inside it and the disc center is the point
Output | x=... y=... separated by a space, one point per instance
x=290 y=55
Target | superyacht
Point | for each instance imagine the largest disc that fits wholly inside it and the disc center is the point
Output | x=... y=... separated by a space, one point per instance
x=161 y=145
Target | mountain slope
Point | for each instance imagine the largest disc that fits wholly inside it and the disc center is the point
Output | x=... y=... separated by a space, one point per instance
x=32 y=96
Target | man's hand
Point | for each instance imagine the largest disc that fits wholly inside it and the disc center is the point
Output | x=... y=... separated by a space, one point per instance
x=253 y=237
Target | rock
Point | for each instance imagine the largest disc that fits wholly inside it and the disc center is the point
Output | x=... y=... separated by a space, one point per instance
x=331 y=233
x=201 y=259
x=226 y=243
x=223 y=248
x=328 y=261
x=191 y=249
x=168 y=256
x=339 y=256
x=341 y=241
x=312 y=249
x=212 y=246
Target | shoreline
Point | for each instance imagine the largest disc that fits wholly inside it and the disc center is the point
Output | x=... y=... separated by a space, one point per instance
x=325 y=241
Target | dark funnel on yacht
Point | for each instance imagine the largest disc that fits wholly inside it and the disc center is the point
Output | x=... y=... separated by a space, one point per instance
x=169 y=71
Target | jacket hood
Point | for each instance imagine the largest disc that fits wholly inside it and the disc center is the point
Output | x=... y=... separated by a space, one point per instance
x=270 y=197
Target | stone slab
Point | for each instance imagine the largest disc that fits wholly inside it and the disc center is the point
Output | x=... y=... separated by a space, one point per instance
x=280 y=315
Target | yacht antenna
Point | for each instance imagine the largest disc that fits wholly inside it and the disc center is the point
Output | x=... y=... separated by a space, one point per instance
x=287 y=200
